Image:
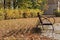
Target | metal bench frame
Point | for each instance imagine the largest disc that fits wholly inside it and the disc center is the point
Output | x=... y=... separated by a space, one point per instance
x=41 y=22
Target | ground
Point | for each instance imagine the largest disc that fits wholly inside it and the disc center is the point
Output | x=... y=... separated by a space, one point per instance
x=16 y=24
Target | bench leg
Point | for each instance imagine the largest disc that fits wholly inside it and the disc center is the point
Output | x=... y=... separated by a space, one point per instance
x=52 y=31
x=42 y=27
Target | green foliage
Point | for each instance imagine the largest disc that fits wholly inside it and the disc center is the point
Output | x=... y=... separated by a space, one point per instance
x=57 y=13
x=1 y=14
x=24 y=4
x=30 y=12
x=30 y=7
x=18 y=13
x=32 y=4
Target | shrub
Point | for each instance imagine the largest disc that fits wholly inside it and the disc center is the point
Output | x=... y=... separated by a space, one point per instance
x=35 y=11
x=18 y=13
x=32 y=12
x=29 y=12
x=1 y=14
x=57 y=13
x=10 y=13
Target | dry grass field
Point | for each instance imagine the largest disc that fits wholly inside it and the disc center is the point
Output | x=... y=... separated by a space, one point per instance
x=16 y=24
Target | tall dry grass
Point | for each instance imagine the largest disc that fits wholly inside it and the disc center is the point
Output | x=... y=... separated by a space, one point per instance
x=17 y=24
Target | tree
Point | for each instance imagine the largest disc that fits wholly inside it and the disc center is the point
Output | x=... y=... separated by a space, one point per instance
x=29 y=4
x=32 y=4
x=7 y=3
x=24 y=3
